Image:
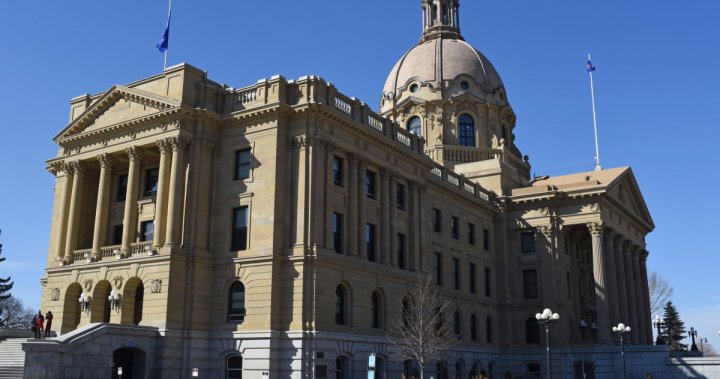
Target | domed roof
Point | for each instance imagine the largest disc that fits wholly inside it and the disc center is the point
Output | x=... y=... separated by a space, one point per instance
x=440 y=59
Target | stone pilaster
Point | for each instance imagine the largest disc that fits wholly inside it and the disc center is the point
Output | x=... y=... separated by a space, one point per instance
x=102 y=206
x=133 y=183
x=384 y=216
x=352 y=206
x=74 y=215
x=640 y=300
x=392 y=209
x=630 y=289
x=175 y=195
x=599 y=275
x=362 y=207
x=318 y=191
x=611 y=277
x=329 y=195
x=413 y=238
x=161 y=200
x=61 y=231
x=648 y=333
x=622 y=300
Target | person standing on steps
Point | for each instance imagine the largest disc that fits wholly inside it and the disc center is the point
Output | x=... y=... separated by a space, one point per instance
x=48 y=323
x=38 y=321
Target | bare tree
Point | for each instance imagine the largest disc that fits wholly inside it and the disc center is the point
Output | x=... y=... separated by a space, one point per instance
x=421 y=333
x=14 y=314
x=708 y=349
x=660 y=292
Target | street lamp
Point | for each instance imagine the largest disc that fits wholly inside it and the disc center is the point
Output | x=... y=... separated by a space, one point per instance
x=114 y=299
x=547 y=317
x=693 y=334
x=621 y=330
x=84 y=301
x=659 y=324
x=701 y=344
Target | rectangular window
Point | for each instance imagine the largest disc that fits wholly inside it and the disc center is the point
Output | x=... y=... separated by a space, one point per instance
x=242 y=164
x=438 y=269
x=239 y=229
x=117 y=234
x=437 y=220
x=122 y=188
x=456 y=273
x=151 y=182
x=320 y=371
x=471 y=233
x=486 y=239
x=401 y=251
x=527 y=241
x=370 y=238
x=337 y=168
x=400 y=197
x=147 y=229
x=472 y=278
x=370 y=184
x=487 y=282
x=337 y=227
x=530 y=289
x=455 y=227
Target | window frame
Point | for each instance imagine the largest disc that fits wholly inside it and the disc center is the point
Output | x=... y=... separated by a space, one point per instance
x=144 y=225
x=338 y=173
x=371 y=242
x=371 y=184
x=342 y=301
x=376 y=310
x=236 y=318
x=121 y=188
x=437 y=268
x=455 y=227
x=486 y=239
x=412 y=127
x=472 y=277
x=473 y=327
x=402 y=251
x=238 y=164
x=147 y=190
x=237 y=243
x=456 y=273
x=488 y=282
x=527 y=242
x=338 y=233
x=530 y=287
x=437 y=220
x=471 y=233
x=400 y=196
x=465 y=139
x=227 y=366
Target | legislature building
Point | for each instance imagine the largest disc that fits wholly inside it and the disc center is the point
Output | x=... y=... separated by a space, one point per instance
x=273 y=231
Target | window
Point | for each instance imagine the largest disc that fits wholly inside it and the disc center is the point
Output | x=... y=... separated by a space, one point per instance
x=567 y=280
x=401 y=252
x=239 y=229
x=467 y=130
x=455 y=227
x=488 y=329
x=337 y=225
x=400 y=197
x=147 y=230
x=117 y=234
x=151 y=182
x=530 y=289
x=122 y=188
x=342 y=368
x=487 y=282
x=320 y=371
x=233 y=367
x=456 y=273
x=242 y=164
x=414 y=125
x=473 y=327
x=340 y=306
x=471 y=233
x=532 y=330
x=438 y=269
x=370 y=184
x=139 y=299
x=337 y=168
x=486 y=239
x=457 y=326
x=527 y=240
x=376 y=301
x=370 y=241
x=236 y=303
x=533 y=368
x=437 y=220
x=472 y=278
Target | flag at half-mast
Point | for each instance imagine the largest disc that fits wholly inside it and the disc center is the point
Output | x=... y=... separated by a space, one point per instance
x=590 y=67
x=164 y=42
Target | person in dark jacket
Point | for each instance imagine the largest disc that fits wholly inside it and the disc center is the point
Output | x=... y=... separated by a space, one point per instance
x=38 y=321
x=48 y=323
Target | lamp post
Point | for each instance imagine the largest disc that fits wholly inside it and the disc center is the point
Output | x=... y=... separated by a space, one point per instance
x=84 y=301
x=701 y=344
x=693 y=334
x=119 y=371
x=114 y=299
x=547 y=317
x=659 y=324
x=621 y=330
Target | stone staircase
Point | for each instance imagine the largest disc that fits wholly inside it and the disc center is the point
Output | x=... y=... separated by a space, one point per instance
x=12 y=358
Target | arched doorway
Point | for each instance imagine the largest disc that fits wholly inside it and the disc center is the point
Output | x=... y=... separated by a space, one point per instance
x=132 y=302
x=131 y=360
x=100 y=306
x=71 y=308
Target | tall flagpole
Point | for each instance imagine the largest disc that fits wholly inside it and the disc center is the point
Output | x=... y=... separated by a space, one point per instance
x=590 y=70
x=168 y=48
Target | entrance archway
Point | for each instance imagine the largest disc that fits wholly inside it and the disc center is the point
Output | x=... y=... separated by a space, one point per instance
x=71 y=309
x=132 y=302
x=131 y=360
x=100 y=307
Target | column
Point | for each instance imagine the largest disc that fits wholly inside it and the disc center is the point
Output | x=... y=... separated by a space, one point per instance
x=613 y=300
x=362 y=207
x=599 y=274
x=102 y=206
x=162 y=195
x=622 y=301
x=329 y=194
x=630 y=289
x=413 y=238
x=352 y=207
x=384 y=216
x=130 y=216
x=68 y=170
x=545 y=235
x=640 y=304
x=175 y=195
x=317 y=191
x=74 y=211
x=392 y=209
x=646 y=298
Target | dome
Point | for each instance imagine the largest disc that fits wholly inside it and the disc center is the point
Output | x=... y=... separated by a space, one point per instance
x=454 y=56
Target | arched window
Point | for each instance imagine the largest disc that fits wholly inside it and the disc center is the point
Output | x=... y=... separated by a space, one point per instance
x=233 y=367
x=380 y=369
x=457 y=324
x=236 y=303
x=406 y=312
x=138 y=309
x=342 y=368
x=414 y=125
x=340 y=306
x=532 y=330
x=533 y=368
x=488 y=330
x=459 y=369
x=467 y=130
x=441 y=370
x=376 y=310
x=473 y=328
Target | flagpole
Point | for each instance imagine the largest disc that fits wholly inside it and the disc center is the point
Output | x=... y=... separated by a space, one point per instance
x=592 y=94
x=168 y=48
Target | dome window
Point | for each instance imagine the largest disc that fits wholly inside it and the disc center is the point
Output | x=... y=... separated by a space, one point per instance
x=414 y=87
x=414 y=125
x=464 y=85
x=467 y=130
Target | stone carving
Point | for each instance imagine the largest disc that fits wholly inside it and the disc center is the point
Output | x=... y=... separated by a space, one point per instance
x=134 y=153
x=87 y=284
x=55 y=167
x=118 y=281
x=546 y=230
x=596 y=228
x=55 y=294
x=207 y=148
x=156 y=286
x=104 y=160
x=590 y=208
x=179 y=143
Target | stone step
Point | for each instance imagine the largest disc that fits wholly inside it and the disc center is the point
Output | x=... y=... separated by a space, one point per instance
x=11 y=372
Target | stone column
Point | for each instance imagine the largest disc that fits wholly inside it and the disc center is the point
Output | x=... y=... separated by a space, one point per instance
x=622 y=301
x=130 y=216
x=545 y=235
x=318 y=191
x=640 y=300
x=392 y=210
x=352 y=206
x=384 y=216
x=413 y=238
x=630 y=289
x=74 y=211
x=329 y=195
x=304 y=179
x=102 y=206
x=648 y=333
x=175 y=195
x=362 y=207
x=68 y=170
x=599 y=274
x=161 y=203
x=611 y=278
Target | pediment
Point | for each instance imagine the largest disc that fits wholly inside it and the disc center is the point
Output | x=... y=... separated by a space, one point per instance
x=626 y=192
x=118 y=105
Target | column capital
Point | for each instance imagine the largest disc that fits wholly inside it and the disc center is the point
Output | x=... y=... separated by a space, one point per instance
x=626 y=244
x=546 y=230
x=105 y=160
x=179 y=143
x=74 y=167
x=386 y=173
x=164 y=146
x=644 y=255
x=352 y=158
x=331 y=146
x=596 y=228
x=55 y=167
x=134 y=153
x=207 y=148
x=302 y=142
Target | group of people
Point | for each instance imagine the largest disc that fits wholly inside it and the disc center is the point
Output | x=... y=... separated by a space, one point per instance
x=37 y=325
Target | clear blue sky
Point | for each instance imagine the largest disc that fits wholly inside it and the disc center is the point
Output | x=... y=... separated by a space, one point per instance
x=657 y=89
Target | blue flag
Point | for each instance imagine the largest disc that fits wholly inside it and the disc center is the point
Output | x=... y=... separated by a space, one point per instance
x=590 y=67
x=163 y=44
